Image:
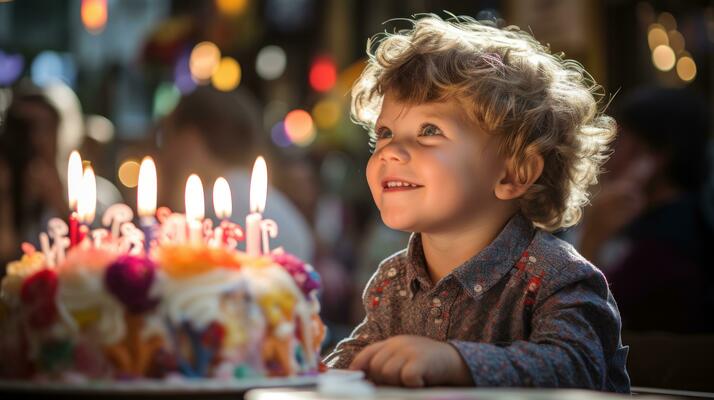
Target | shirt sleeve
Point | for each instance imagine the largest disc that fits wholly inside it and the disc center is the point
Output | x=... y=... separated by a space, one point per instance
x=366 y=333
x=574 y=331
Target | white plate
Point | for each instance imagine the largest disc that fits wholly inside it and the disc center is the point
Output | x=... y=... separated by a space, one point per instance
x=178 y=386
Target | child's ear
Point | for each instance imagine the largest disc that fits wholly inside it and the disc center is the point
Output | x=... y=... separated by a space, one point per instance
x=517 y=177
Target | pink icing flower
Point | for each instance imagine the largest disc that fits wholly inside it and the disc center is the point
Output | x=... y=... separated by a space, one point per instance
x=129 y=279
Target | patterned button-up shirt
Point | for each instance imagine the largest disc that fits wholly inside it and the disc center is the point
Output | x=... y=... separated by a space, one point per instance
x=528 y=310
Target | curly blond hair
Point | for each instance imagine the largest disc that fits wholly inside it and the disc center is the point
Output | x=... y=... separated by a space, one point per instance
x=513 y=87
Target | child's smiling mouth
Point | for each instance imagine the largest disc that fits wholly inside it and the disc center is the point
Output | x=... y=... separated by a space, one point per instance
x=396 y=185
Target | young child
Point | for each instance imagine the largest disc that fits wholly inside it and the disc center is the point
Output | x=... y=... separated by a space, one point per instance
x=484 y=143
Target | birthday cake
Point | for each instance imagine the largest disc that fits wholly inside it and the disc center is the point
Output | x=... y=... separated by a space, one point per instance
x=121 y=305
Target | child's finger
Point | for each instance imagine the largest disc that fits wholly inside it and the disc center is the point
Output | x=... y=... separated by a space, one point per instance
x=412 y=374
x=365 y=356
x=390 y=371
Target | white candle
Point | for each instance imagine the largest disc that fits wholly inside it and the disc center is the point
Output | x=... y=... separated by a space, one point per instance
x=87 y=202
x=223 y=207
x=146 y=200
x=258 y=193
x=194 y=208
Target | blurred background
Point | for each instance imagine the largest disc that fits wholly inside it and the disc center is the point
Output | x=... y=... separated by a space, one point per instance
x=206 y=86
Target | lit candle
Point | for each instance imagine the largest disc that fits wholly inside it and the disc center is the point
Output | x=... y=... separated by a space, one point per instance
x=87 y=202
x=222 y=205
x=146 y=200
x=194 y=208
x=258 y=193
x=74 y=185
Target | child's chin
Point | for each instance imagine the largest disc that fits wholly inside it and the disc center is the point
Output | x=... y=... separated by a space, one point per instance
x=399 y=224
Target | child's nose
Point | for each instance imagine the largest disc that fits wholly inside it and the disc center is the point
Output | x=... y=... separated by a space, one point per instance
x=395 y=152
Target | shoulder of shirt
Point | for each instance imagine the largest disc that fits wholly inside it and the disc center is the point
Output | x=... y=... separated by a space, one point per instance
x=392 y=267
x=558 y=264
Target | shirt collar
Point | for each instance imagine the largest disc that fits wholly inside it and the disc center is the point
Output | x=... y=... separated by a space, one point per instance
x=485 y=269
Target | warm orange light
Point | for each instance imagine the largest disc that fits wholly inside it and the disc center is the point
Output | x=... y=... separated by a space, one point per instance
x=300 y=127
x=258 y=185
x=222 y=202
x=194 y=198
x=94 y=15
x=663 y=58
x=87 y=202
x=231 y=7
x=227 y=75
x=204 y=60
x=74 y=179
x=146 y=193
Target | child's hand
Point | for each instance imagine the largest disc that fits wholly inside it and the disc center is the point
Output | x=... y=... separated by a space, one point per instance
x=412 y=361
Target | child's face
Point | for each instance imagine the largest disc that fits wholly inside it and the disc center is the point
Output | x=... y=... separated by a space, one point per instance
x=450 y=164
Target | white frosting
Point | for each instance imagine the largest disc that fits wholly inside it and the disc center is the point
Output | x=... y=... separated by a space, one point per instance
x=82 y=289
x=197 y=298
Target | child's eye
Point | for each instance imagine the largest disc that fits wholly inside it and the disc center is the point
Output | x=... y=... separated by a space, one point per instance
x=430 y=130
x=384 y=133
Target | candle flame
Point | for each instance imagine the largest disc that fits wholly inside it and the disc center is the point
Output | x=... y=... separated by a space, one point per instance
x=146 y=193
x=194 y=198
x=222 y=202
x=258 y=185
x=87 y=202
x=74 y=179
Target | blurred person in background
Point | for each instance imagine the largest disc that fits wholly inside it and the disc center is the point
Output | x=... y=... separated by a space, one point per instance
x=212 y=134
x=31 y=190
x=650 y=224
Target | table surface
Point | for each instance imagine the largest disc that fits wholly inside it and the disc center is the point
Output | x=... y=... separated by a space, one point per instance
x=389 y=393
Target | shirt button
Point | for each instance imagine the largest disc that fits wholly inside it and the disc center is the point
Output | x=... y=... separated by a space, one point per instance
x=435 y=311
x=478 y=288
x=438 y=321
x=436 y=301
x=391 y=272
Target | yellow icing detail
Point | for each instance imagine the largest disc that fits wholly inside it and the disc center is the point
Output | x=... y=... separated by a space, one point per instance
x=277 y=306
x=86 y=316
x=28 y=264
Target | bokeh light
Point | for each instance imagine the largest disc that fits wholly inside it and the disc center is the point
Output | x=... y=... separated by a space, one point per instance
x=270 y=62
x=326 y=113
x=204 y=60
x=129 y=173
x=279 y=136
x=663 y=57
x=300 y=127
x=656 y=36
x=11 y=66
x=227 y=75
x=231 y=7
x=94 y=15
x=676 y=41
x=166 y=97
x=686 y=68
x=667 y=20
x=323 y=74
x=50 y=66
x=182 y=74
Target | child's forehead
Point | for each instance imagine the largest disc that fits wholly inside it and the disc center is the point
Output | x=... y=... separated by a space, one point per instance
x=395 y=110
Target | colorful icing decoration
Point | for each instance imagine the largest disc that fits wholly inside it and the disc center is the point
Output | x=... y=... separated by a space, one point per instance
x=307 y=279
x=38 y=295
x=129 y=279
